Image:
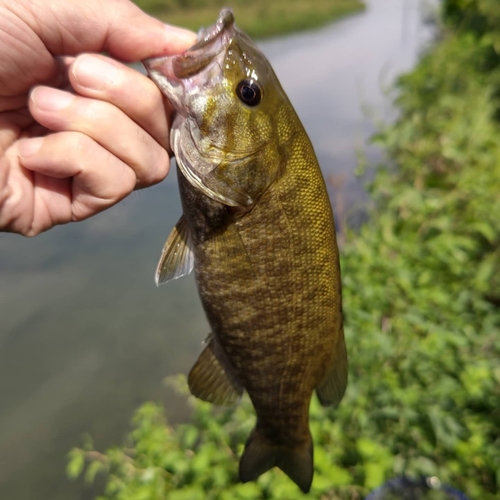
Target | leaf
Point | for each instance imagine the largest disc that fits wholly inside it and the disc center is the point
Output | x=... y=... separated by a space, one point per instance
x=374 y=475
x=76 y=463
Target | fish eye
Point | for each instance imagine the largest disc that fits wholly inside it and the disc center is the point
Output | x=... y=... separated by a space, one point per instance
x=249 y=92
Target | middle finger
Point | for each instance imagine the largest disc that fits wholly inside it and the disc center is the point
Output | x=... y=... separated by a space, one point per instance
x=106 y=124
x=103 y=78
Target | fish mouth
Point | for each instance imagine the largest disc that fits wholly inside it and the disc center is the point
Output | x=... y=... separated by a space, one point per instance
x=211 y=42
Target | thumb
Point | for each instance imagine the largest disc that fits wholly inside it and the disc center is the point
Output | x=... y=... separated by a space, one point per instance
x=118 y=27
x=134 y=35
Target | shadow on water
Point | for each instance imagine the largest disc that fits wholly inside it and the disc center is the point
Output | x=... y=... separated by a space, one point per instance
x=86 y=337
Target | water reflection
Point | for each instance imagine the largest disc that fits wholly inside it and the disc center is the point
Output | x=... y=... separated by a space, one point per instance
x=340 y=81
x=85 y=336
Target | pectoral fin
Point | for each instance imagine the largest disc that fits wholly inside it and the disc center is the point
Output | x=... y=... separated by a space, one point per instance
x=177 y=258
x=212 y=377
x=332 y=389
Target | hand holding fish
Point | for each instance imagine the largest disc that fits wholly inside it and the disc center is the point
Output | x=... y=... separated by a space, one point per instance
x=78 y=133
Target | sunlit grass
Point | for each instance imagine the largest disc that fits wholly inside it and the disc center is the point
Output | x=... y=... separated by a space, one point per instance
x=260 y=18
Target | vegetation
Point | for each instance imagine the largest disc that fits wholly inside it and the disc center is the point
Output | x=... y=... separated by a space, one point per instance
x=258 y=18
x=422 y=299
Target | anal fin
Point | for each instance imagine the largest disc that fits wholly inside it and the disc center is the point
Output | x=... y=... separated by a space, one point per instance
x=332 y=388
x=212 y=377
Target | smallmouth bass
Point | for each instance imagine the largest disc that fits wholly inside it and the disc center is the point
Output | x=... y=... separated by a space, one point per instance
x=258 y=229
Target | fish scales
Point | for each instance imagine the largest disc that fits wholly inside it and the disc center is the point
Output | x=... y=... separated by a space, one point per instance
x=254 y=296
x=258 y=228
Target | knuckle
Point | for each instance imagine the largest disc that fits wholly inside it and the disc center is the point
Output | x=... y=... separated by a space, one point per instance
x=158 y=167
x=151 y=101
x=81 y=142
x=78 y=145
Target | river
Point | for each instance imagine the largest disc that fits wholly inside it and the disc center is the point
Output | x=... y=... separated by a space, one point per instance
x=85 y=335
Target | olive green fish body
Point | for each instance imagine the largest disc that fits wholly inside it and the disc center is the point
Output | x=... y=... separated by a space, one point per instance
x=258 y=229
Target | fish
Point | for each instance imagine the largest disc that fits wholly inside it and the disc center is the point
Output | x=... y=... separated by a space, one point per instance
x=258 y=230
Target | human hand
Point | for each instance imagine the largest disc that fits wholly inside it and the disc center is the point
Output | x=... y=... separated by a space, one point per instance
x=93 y=130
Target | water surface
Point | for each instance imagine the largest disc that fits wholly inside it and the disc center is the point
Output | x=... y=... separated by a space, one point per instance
x=85 y=336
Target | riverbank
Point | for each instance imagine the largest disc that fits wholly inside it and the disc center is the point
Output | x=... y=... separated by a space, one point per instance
x=259 y=18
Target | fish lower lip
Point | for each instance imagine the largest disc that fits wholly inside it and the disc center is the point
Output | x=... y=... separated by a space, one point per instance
x=211 y=42
x=185 y=66
x=206 y=37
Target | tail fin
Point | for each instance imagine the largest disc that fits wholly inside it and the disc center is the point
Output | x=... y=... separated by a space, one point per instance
x=260 y=455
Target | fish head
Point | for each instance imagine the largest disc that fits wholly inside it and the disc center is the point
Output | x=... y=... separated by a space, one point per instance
x=229 y=132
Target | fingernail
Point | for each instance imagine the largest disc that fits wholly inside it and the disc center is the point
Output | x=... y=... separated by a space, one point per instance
x=30 y=147
x=183 y=35
x=49 y=99
x=94 y=72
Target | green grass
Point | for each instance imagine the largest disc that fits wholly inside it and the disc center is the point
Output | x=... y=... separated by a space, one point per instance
x=260 y=18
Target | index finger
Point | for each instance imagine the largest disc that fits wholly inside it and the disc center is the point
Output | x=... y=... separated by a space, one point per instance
x=100 y=77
